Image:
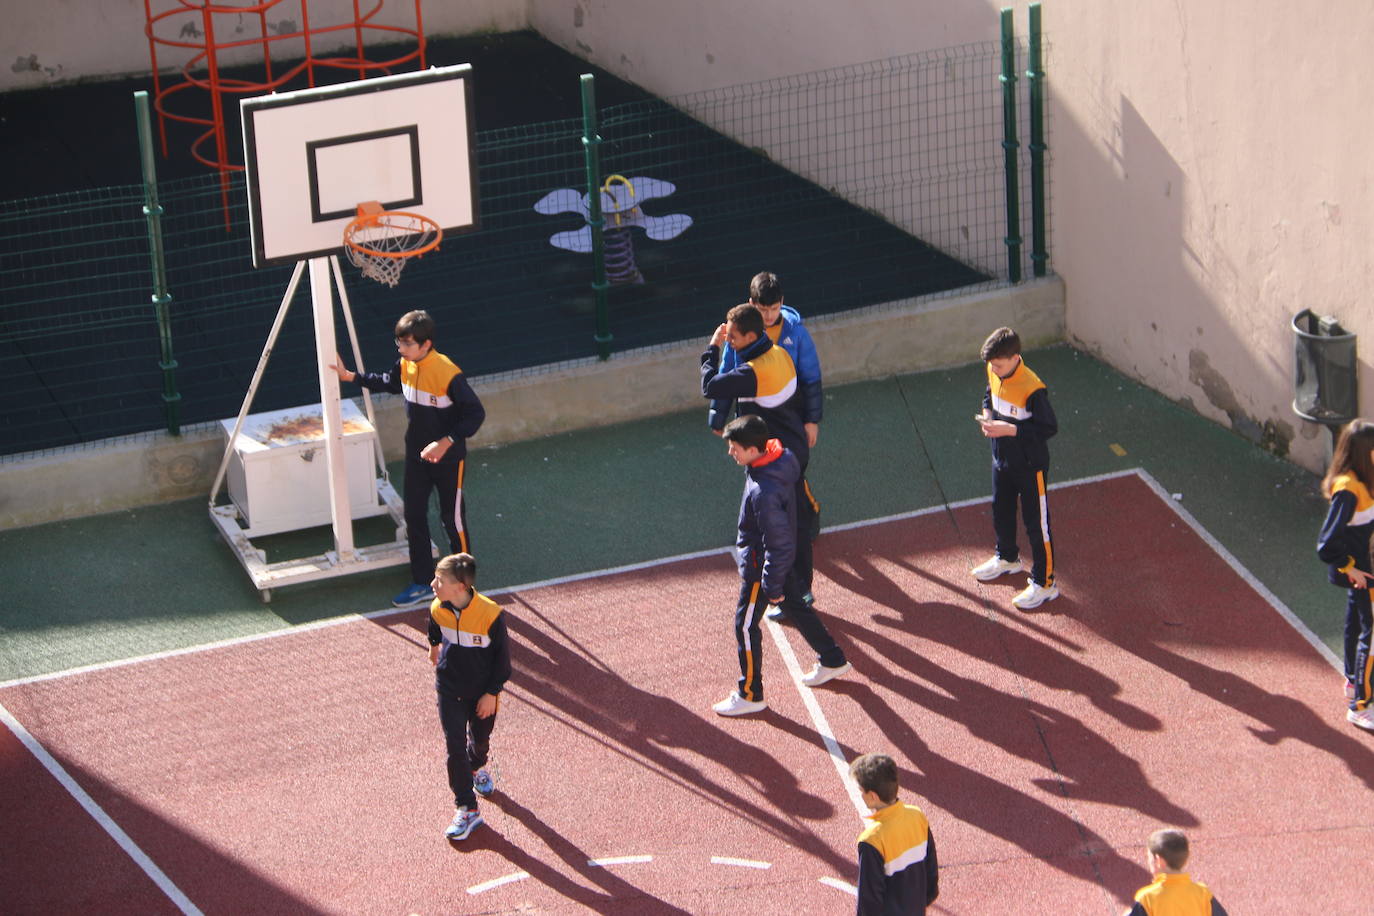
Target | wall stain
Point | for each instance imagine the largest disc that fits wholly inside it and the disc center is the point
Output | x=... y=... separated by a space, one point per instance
x=1272 y=435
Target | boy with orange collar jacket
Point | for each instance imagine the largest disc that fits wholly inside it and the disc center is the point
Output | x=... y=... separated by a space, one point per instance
x=764 y=382
x=765 y=551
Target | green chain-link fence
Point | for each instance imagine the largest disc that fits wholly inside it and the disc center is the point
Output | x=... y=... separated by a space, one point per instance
x=859 y=186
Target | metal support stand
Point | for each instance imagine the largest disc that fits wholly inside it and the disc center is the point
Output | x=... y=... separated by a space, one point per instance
x=345 y=558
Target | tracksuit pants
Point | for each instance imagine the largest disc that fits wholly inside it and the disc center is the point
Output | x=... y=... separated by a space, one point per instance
x=468 y=740
x=1028 y=488
x=807 y=508
x=753 y=603
x=445 y=477
x=1358 y=624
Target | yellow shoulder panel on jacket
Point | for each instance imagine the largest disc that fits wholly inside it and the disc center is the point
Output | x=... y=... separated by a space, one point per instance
x=479 y=615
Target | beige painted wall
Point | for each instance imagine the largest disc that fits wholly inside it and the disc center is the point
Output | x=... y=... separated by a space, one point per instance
x=1209 y=162
x=670 y=47
x=1211 y=179
x=51 y=41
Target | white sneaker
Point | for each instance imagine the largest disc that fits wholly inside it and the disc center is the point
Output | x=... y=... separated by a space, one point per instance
x=1363 y=718
x=736 y=705
x=820 y=674
x=1035 y=595
x=994 y=567
x=1349 y=691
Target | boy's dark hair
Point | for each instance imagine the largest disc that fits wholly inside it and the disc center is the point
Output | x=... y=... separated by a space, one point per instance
x=746 y=319
x=1001 y=343
x=1171 y=846
x=876 y=773
x=750 y=431
x=460 y=567
x=765 y=289
x=416 y=325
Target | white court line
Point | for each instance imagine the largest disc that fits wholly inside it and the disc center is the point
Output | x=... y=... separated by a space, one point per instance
x=840 y=885
x=98 y=814
x=1229 y=559
x=741 y=863
x=822 y=725
x=618 y=860
x=497 y=882
x=785 y=648
x=528 y=586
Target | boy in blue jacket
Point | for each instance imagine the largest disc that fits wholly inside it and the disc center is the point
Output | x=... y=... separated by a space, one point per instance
x=765 y=551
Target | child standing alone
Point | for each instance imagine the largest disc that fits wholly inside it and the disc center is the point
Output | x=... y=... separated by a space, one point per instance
x=1343 y=545
x=471 y=657
x=442 y=411
x=1018 y=421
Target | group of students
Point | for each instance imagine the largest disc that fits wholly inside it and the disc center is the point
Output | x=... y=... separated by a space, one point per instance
x=769 y=375
x=761 y=364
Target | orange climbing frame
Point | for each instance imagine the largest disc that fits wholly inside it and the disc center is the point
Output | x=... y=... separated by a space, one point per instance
x=195 y=26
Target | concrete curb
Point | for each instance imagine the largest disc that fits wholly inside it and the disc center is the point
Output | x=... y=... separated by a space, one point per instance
x=875 y=342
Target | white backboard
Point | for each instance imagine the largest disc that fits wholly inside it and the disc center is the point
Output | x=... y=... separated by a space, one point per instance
x=406 y=141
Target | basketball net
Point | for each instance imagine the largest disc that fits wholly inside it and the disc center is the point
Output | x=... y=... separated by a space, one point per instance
x=381 y=242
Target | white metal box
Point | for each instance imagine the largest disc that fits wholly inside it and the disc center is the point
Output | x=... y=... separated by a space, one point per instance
x=278 y=474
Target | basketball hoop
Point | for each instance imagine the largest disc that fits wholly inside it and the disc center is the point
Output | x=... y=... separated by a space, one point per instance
x=380 y=242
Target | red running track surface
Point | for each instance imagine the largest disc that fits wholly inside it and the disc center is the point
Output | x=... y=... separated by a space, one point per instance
x=304 y=773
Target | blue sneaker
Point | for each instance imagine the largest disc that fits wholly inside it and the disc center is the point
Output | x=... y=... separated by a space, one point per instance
x=482 y=783
x=413 y=594
x=464 y=819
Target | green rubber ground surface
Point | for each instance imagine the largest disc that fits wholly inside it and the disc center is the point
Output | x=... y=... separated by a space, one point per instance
x=132 y=583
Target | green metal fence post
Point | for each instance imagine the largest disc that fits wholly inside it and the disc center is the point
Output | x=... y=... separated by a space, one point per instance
x=1035 y=80
x=171 y=398
x=591 y=144
x=1009 y=147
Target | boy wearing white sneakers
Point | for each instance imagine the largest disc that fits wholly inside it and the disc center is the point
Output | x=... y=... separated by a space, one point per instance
x=765 y=551
x=1018 y=421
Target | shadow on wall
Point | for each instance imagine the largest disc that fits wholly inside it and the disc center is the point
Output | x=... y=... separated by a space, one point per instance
x=1167 y=330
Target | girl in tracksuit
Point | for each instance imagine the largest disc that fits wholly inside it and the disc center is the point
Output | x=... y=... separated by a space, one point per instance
x=1344 y=546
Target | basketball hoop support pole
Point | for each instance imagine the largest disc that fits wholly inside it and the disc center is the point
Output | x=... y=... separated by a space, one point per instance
x=347 y=557
x=321 y=296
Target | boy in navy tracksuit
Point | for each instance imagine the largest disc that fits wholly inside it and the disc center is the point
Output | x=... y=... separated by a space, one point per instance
x=470 y=653
x=1018 y=421
x=898 y=869
x=763 y=382
x=783 y=326
x=765 y=550
x=442 y=412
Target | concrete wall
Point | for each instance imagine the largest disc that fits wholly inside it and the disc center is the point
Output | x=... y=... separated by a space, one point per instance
x=50 y=41
x=1209 y=169
x=671 y=48
x=875 y=342
x=1211 y=179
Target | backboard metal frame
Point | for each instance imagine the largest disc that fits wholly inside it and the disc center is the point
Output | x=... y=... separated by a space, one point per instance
x=294 y=141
